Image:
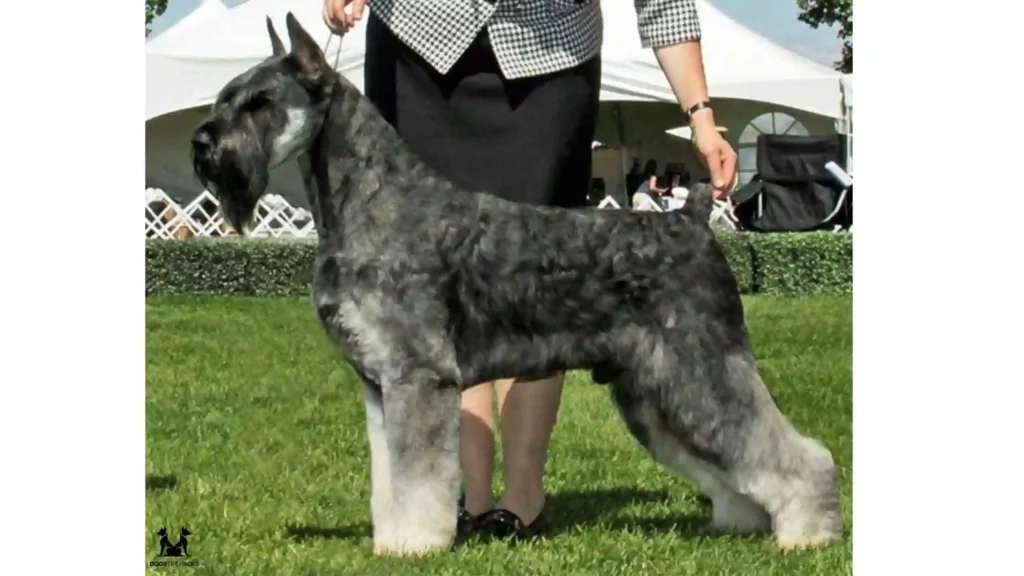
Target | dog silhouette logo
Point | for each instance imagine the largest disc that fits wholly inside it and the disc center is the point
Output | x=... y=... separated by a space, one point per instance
x=179 y=548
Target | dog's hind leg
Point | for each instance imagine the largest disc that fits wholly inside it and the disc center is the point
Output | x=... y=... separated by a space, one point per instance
x=714 y=421
x=792 y=476
x=421 y=425
x=732 y=511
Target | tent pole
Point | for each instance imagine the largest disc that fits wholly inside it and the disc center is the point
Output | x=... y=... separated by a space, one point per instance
x=847 y=122
x=623 y=151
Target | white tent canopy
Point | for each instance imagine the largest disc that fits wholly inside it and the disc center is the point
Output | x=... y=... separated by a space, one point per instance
x=738 y=63
x=190 y=72
x=186 y=66
x=181 y=32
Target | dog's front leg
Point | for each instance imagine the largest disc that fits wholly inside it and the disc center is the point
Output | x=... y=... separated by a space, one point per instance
x=421 y=423
x=382 y=506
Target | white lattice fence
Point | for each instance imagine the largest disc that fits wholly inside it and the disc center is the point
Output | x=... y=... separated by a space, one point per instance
x=722 y=215
x=274 y=217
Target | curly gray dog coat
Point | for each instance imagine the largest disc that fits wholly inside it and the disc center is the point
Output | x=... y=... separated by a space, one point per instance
x=430 y=289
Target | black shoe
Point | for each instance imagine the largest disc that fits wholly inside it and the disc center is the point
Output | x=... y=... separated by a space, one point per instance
x=467 y=523
x=501 y=523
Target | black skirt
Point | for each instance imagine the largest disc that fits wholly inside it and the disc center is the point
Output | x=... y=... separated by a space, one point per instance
x=525 y=140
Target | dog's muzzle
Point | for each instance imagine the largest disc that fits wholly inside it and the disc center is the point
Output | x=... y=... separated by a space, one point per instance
x=202 y=154
x=202 y=141
x=235 y=172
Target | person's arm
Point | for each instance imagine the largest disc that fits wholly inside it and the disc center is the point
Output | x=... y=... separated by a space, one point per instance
x=652 y=186
x=672 y=29
x=683 y=65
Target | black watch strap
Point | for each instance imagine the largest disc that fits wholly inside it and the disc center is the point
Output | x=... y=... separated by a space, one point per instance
x=696 y=107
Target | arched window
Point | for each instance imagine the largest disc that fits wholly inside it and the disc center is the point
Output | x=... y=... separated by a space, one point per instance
x=768 y=123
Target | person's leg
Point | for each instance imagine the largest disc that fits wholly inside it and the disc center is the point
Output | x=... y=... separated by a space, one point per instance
x=441 y=120
x=528 y=412
x=479 y=130
x=407 y=93
x=529 y=409
x=477 y=448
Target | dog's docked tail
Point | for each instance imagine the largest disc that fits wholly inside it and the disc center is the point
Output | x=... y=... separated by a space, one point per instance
x=699 y=202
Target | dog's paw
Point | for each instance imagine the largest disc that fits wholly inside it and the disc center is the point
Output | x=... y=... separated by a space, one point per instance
x=791 y=542
x=803 y=527
x=414 y=544
x=387 y=549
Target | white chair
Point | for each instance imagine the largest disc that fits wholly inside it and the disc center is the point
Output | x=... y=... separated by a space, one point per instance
x=844 y=179
x=721 y=213
x=643 y=202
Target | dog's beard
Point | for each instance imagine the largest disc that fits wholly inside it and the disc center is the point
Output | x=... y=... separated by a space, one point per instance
x=237 y=180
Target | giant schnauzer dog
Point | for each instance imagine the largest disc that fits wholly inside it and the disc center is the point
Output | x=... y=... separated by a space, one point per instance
x=430 y=289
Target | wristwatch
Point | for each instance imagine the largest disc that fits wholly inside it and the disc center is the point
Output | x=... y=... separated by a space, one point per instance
x=689 y=112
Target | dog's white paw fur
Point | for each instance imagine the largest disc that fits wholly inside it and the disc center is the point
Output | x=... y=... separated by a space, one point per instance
x=802 y=524
x=412 y=542
x=413 y=531
x=787 y=542
x=799 y=528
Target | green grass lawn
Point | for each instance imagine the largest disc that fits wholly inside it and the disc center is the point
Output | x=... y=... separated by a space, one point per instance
x=255 y=441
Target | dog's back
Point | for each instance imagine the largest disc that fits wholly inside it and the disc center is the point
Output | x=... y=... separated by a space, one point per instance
x=529 y=280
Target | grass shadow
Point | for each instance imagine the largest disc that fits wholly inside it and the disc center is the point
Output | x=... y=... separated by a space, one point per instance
x=161 y=482
x=564 y=511
x=351 y=532
x=693 y=524
x=568 y=510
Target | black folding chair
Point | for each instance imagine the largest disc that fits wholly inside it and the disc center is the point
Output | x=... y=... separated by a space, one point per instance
x=793 y=191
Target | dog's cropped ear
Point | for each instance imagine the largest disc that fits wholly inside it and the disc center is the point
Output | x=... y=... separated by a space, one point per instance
x=305 y=50
x=275 y=40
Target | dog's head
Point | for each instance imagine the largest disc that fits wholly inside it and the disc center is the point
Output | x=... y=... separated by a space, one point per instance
x=185 y=532
x=162 y=532
x=265 y=116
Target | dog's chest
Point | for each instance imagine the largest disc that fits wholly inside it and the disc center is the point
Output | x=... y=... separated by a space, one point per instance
x=348 y=311
x=332 y=301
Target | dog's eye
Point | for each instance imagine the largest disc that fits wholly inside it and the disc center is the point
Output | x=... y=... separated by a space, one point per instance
x=254 y=103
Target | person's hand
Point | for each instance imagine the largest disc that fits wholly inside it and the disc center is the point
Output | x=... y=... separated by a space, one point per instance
x=337 y=19
x=715 y=153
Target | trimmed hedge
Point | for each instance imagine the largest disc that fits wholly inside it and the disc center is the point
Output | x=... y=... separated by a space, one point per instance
x=230 y=266
x=777 y=264
x=737 y=250
x=818 y=263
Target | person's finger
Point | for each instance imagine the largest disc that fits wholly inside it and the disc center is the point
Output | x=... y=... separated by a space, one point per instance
x=339 y=15
x=713 y=162
x=330 y=14
x=326 y=14
x=357 y=9
x=333 y=9
x=728 y=173
x=350 y=15
x=337 y=10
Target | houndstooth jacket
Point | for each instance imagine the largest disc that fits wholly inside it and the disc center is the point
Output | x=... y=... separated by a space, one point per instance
x=529 y=37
